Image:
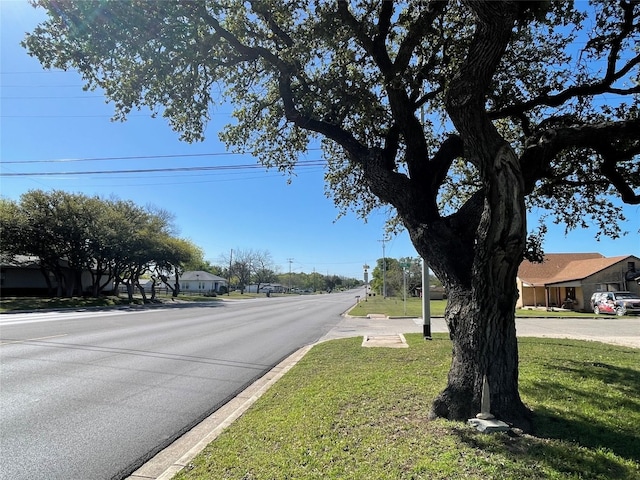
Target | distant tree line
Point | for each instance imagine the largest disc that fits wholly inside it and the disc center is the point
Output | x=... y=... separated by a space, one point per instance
x=243 y=267
x=116 y=241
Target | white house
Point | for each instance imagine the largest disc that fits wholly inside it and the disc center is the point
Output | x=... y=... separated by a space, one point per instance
x=199 y=281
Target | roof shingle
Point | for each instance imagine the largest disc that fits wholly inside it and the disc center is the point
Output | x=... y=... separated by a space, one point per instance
x=564 y=267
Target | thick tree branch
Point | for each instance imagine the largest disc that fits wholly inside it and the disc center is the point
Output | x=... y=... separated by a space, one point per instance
x=465 y=98
x=418 y=30
x=615 y=142
x=618 y=180
x=451 y=148
x=561 y=98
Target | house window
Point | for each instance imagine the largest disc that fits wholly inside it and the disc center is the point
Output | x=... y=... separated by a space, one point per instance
x=631 y=266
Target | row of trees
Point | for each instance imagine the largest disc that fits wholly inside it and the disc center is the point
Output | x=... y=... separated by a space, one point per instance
x=243 y=267
x=315 y=281
x=392 y=273
x=116 y=241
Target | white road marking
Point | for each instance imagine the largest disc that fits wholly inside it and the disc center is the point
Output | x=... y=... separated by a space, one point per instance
x=33 y=339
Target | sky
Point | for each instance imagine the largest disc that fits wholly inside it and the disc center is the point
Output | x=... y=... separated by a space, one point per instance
x=48 y=124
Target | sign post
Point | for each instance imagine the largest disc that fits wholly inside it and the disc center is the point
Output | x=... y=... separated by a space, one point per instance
x=426 y=299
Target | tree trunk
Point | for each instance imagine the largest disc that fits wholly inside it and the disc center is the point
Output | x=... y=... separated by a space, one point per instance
x=482 y=329
x=153 y=289
x=176 y=289
x=481 y=316
x=129 y=290
x=142 y=292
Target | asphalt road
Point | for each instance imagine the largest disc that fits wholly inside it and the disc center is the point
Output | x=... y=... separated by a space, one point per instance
x=93 y=394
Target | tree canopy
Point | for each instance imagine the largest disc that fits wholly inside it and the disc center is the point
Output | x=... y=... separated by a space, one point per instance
x=115 y=241
x=456 y=114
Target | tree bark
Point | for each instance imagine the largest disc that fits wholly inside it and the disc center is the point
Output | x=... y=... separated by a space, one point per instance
x=481 y=314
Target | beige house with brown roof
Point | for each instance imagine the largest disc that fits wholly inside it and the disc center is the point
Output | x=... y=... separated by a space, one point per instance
x=567 y=280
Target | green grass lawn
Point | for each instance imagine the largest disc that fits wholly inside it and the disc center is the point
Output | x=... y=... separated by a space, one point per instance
x=347 y=412
x=396 y=307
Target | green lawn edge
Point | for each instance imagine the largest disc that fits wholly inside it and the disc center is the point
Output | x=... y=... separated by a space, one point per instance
x=348 y=412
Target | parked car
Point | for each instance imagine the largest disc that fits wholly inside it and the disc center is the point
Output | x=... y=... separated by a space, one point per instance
x=616 y=303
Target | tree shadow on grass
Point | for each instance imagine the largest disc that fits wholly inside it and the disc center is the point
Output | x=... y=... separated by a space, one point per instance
x=598 y=418
x=538 y=457
x=587 y=411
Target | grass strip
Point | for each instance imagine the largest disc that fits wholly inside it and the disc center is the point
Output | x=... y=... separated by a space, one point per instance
x=347 y=412
x=412 y=307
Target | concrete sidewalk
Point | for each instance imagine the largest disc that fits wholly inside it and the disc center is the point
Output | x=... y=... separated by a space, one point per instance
x=624 y=332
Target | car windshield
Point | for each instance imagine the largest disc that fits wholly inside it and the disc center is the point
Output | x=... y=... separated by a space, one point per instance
x=625 y=295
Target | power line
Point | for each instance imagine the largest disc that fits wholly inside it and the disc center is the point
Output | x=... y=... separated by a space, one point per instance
x=307 y=163
x=129 y=157
x=51 y=97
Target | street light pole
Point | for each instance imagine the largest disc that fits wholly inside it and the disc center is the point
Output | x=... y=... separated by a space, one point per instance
x=366 y=281
x=384 y=268
x=404 y=275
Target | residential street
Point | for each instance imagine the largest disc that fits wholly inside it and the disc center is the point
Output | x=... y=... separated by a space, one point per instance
x=89 y=395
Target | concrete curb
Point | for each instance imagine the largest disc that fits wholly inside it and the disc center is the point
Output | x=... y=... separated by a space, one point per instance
x=163 y=466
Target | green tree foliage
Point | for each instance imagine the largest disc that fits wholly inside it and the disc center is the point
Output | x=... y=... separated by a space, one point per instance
x=395 y=276
x=314 y=281
x=12 y=228
x=456 y=114
x=113 y=241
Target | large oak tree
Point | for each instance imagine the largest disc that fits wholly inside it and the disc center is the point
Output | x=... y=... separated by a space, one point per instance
x=454 y=113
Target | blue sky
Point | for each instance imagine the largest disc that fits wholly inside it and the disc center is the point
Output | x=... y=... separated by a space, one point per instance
x=46 y=118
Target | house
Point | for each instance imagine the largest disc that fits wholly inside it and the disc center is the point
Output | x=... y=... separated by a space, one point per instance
x=199 y=281
x=21 y=275
x=436 y=292
x=567 y=280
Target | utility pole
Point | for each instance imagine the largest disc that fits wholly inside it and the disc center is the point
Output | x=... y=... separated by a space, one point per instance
x=229 y=284
x=384 y=268
x=426 y=287
x=290 y=260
